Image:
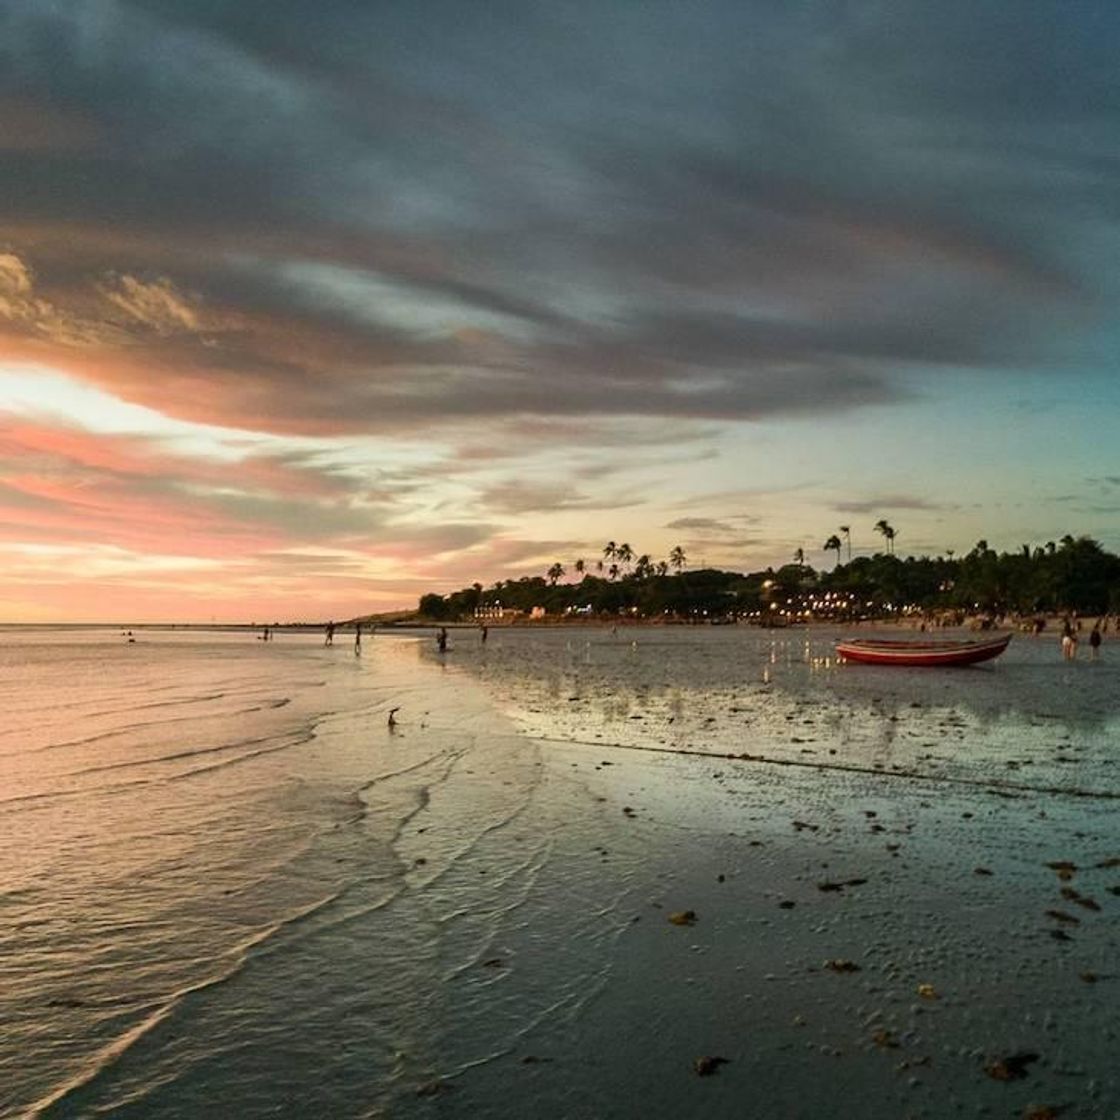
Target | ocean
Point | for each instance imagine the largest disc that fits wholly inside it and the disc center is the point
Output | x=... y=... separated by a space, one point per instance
x=232 y=888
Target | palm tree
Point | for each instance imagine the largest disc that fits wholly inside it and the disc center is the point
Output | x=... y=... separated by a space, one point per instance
x=554 y=573
x=579 y=567
x=678 y=559
x=833 y=545
x=847 y=531
x=643 y=566
x=624 y=554
x=610 y=551
x=662 y=568
x=799 y=557
x=612 y=571
x=884 y=527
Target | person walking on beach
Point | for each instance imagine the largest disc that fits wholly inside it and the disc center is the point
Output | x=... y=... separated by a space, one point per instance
x=1095 y=641
x=441 y=639
x=357 y=639
x=330 y=634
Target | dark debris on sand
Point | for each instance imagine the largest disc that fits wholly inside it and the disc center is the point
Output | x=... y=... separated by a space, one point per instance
x=709 y=1064
x=1011 y=1068
x=829 y=886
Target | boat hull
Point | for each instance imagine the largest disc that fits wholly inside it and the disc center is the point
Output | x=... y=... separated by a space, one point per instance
x=871 y=651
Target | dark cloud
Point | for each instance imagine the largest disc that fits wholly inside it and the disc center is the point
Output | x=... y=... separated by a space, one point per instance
x=390 y=216
x=701 y=525
x=887 y=504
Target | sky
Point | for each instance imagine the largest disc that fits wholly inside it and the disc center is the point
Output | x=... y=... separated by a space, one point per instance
x=310 y=308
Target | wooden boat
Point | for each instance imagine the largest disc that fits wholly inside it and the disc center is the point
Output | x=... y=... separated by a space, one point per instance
x=882 y=651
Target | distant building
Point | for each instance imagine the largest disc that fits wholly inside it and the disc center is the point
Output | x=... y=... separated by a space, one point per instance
x=495 y=612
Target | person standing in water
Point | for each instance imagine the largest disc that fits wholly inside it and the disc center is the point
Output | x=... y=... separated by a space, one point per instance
x=357 y=639
x=1095 y=641
x=330 y=634
x=485 y=631
x=441 y=639
x=1069 y=641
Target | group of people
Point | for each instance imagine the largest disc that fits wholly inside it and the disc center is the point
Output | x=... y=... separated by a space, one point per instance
x=441 y=637
x=329 y=639
x=1070 y=640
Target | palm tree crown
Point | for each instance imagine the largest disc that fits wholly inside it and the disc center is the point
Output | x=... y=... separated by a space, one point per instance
x=883 y=526
x=833 y=545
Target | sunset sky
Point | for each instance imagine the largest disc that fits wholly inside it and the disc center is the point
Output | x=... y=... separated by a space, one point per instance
x=307 y=309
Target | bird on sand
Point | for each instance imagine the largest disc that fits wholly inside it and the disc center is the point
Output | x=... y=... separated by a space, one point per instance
x=392 y=717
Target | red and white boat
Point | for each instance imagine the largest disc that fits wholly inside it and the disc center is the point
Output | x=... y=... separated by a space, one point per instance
x=883 y=651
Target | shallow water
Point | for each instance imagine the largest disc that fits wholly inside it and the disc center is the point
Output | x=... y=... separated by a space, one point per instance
x=230 y=887
x=1028 y=720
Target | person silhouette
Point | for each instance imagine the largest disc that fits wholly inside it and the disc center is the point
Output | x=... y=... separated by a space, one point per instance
x=1069 y=641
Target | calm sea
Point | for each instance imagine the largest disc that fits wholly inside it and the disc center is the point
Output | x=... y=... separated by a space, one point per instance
x=230 y=888
x=209 y=900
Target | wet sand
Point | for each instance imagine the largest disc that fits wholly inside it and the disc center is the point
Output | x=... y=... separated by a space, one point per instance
x=904 y=898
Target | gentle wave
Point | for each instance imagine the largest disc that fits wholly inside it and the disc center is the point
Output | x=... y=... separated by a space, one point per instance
x=113 y=1053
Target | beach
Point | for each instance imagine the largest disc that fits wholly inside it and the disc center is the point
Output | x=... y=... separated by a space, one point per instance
x=690 y=871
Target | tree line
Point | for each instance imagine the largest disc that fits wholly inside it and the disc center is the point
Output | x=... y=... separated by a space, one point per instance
x=1070 y=575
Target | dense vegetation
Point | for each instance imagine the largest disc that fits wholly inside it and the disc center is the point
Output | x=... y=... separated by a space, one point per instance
x=1073 y=575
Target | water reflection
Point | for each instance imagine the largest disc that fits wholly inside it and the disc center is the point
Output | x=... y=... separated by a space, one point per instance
x=785 y=695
